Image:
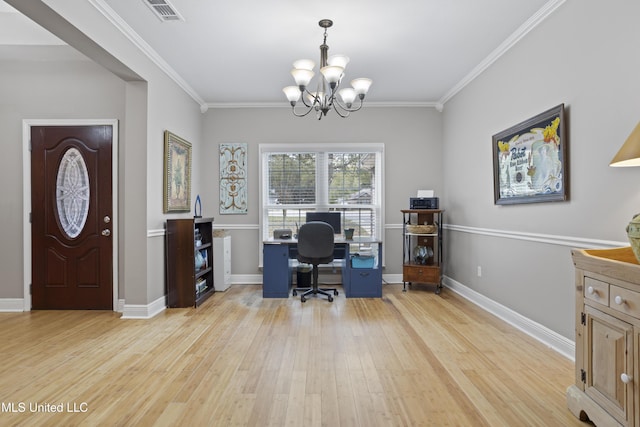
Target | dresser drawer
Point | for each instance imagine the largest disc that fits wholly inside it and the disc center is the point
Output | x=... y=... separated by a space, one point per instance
x=365 y=283
x=596 y=290
x=625 y=301
x=421 y=274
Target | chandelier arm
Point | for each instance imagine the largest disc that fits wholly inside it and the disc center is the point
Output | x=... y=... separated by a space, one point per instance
x=302 y=96
x=338 y=112
x=345 y=108
x=309 y=109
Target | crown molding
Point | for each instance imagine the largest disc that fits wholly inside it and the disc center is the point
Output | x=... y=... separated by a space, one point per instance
x=139 y=42
x=505 y=46
x=511 y=41
x=284 y=104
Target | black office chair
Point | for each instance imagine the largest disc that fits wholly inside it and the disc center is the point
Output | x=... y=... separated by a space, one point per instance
x=315 y=246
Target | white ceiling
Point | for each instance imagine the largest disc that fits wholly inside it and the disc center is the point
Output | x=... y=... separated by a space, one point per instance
x=241 y=51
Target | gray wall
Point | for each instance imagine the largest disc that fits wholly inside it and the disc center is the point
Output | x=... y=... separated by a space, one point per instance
x=143 y=98
x=33 y=89
x=584 y=55
x=411 y=136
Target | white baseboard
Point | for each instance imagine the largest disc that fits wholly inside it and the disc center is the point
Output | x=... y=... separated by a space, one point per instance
x=17 y=305
x=246 y=279
x=391 y=279
x=142 y=311
x=557 y=342
x=11 y=305
x=553 y=340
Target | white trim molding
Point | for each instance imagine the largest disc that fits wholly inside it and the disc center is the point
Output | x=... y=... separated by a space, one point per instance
x=284 y=104
x=150 y=53
x=553 y=340
x=12 y=305
x=569 y=241
x=160 y=232
x=144 y=311
x=504 y=47
x=26 y=196
x=146 y=49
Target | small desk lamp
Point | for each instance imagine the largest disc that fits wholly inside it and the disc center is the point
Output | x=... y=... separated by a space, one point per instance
x=629 y=155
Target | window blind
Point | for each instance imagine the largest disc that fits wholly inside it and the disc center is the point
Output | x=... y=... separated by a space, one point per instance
x=299 y=178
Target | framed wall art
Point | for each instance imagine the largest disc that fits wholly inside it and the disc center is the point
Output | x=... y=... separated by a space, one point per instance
x=177 y=174
x=530 y=160
x=233 y=178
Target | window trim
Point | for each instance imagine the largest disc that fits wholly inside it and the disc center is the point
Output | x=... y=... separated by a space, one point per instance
x=319 y=148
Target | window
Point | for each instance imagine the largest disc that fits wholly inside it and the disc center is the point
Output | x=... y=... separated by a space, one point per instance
x=301 y=178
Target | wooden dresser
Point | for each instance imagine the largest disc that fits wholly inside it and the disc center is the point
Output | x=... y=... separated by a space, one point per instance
x=607 y=337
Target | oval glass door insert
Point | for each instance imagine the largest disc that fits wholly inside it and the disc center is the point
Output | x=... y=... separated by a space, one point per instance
x=72 y=193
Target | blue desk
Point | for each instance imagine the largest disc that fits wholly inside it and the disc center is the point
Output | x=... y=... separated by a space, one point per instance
x=279 y=262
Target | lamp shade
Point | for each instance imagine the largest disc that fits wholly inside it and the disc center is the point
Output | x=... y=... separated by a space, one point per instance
x=629 y=153
x=361 y=86
x=332 y=73
x=338 y=60
x=348 y=95
x=292 y=93
x=302 y=76
x=304 y=64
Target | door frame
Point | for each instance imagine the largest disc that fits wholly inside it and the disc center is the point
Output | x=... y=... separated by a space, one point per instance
x=26 y=197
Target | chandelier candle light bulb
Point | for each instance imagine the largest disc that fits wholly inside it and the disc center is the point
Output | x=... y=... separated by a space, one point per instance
x=331 y=74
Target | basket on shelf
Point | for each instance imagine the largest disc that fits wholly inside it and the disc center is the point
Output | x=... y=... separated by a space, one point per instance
x=422 y=229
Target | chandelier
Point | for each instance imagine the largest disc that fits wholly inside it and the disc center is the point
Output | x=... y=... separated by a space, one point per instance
x=327 y=95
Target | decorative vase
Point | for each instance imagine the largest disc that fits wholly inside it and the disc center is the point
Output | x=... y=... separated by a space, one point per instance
x=422 y=254
x=348 y=233
x=200 y=260
x=633 y=232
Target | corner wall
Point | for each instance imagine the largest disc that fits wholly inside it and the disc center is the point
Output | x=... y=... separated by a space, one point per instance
x=585 y=56
x=150 y=102
x=34 y=89
x=412 y=138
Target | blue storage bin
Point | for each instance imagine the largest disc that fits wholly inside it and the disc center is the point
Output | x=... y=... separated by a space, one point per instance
x=363 y=261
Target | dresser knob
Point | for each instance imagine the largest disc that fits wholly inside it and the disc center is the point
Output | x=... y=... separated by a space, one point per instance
x=618 y=299
x=590 y=290
x=626 y=378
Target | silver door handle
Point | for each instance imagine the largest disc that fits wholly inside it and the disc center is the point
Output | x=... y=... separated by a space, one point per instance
x=106 y=232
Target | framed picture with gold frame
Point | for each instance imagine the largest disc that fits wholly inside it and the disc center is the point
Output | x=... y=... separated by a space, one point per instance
x=177 y=174
x=530 y=160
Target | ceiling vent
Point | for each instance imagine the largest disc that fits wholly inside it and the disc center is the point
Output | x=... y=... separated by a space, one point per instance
x=164 y=10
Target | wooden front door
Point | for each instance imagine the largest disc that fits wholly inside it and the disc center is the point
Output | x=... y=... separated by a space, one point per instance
x=71 y=218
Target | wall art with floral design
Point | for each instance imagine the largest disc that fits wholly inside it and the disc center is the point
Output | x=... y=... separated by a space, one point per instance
x=233 y=178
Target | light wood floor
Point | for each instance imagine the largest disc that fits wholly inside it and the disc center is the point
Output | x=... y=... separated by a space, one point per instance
x=408 y=359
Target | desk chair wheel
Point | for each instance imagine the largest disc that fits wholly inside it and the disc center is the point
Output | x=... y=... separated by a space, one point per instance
x=302 y=299
x=335 y=293
x=330 y=298
x=294 y=293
